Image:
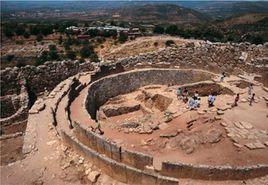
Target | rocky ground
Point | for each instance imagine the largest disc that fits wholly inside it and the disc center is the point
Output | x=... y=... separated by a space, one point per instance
x=154 y=121
x=51 y=162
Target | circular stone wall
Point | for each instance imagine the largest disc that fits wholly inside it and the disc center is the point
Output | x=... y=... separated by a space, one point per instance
x=105 y=88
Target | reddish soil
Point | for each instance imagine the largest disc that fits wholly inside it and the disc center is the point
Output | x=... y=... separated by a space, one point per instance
x=204 y=153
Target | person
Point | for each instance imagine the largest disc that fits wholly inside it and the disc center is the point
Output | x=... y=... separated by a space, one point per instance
x=252 y=98
x=196 y=95
x=236 y=100
x=179 y=93
x=185 y=95
x=250 y=89
x=197 y=102
x=98 y=127
x=222 y=76
x=211 y=100
x=191 y=103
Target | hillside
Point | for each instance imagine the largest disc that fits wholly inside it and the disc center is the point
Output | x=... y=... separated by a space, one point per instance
x=250 y=18
x=161 y=13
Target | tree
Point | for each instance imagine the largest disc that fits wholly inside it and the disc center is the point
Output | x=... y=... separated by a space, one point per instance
x=71 y=55
x=53 y=54
x=20 y=64
x=42 y=59
x=159 y=30
x=20 y=30
x=34 y=30
x=60 y=40
x=10 y=57
x=39 y=37
x=85 y=52
x=172 y=30
x=8 y=32
x=256 y=39
x=94 y=58
x=26 y=35
x=122 y=37
x=52 y=47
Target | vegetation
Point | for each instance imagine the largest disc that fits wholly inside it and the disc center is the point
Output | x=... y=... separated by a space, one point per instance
x=169 y=42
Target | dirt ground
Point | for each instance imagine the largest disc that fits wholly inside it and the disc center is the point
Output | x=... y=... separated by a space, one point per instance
x=51 y=162
x=138 y=46
x=202 y=142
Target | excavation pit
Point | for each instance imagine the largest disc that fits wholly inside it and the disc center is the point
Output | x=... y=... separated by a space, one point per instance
x=140 y=112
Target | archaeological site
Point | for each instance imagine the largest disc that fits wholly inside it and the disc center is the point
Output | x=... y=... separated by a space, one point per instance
x=123 y=122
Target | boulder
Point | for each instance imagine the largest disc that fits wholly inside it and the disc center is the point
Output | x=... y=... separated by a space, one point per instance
x=93 y=176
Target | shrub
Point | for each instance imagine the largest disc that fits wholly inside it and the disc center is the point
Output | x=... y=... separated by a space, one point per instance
x=122 y=37
x=159 y=30
x=20 y=64
x=71 y=55
x=39 y=37
x=10 y=57
x=169 y=42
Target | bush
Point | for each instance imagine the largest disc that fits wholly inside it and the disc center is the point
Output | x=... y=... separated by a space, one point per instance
x=122 y=37
x=39 y=37
x=172 y=30
x=19 y=42
x=155 y=44
x=10 y=57
x=82 y=60
x=94 y=58
x=52 y=47
x=159 y=30
x=170 y=42
x=85 y=52
x=53 y=55
x=20 y=64
x=26 y=35
x=71 y=55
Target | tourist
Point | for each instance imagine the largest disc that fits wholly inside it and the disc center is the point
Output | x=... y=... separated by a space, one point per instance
x=185 y=95
x=222 y=76
x=197 y=102
x=196 y=95
x=191 y=103
x=252 y=98
x=211 y=100
x=236 y=100
x=250 y=89
x=179 y=93
x=98 y=127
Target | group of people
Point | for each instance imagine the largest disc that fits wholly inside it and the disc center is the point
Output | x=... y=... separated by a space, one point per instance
x=194 y=101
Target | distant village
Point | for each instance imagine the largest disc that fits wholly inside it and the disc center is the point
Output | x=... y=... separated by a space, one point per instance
x=81 y=32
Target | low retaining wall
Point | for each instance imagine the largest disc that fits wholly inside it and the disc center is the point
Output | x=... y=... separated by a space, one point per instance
x=40 y=77
x=20 y=116
x=103 y=89
x=180 y=170
x=111 y=150
x=116 y=170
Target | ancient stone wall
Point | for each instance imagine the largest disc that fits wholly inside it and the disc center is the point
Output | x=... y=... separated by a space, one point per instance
x=101 y=90
x=209 y=172
x=217 y=57
x=111 y=150
x=16 y=122
x=117 y=170
x=40 y=77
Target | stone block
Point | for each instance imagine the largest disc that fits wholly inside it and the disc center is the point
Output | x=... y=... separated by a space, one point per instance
x=119 y=172
x=134 y=176
x=148 y=179
x=135 y=159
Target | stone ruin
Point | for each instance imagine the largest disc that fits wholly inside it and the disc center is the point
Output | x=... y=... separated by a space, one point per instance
x=119 y=162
